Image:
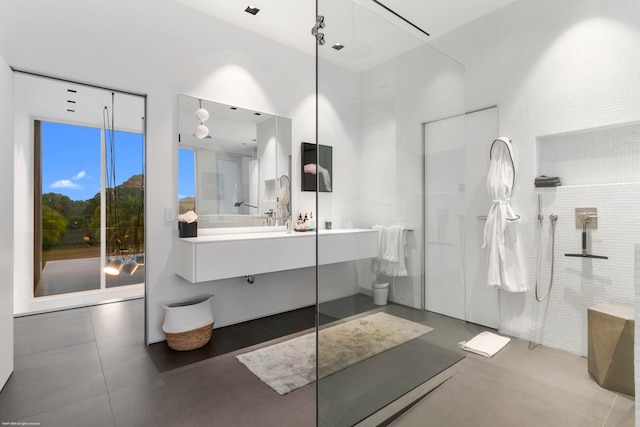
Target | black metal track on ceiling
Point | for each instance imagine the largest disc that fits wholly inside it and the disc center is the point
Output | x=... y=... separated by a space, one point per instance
x=31 y=73
x=401 y=17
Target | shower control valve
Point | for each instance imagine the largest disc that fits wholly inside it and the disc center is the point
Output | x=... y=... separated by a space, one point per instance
x=587 y=218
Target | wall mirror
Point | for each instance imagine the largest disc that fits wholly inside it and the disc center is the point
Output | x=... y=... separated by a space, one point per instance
x=231 y=164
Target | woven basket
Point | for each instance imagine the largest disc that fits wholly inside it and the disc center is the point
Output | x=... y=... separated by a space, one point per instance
x=189 y=340
x=188 y=324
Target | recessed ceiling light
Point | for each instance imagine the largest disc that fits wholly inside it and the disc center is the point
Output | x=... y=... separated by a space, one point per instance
x=256 y=114
x=234 y=108
x=338 y=46
x=252 y=10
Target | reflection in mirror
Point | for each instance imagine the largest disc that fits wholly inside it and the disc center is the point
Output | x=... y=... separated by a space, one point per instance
x=284 y=199
x=231 y=161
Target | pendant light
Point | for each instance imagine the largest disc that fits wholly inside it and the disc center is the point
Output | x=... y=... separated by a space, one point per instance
x=114 y=266
x=202 y=115
x=130 y=267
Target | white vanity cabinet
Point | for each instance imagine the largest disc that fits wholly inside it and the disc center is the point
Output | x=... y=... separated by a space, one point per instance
x=215 y=257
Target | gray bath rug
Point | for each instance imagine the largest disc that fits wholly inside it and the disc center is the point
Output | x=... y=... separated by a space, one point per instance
x=291 y=364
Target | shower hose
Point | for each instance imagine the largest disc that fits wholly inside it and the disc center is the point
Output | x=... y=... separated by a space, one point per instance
x=553 y=218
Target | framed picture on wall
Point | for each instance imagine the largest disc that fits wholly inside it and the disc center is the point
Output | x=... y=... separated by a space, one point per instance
x=320 y=173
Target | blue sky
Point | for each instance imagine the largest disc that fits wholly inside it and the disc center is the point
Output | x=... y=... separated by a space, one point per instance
x=186 y=173
x=71 y=159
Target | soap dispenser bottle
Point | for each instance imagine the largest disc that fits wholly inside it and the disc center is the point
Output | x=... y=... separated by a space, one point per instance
x=305 y=222
x=312 y=222
x=299 y=223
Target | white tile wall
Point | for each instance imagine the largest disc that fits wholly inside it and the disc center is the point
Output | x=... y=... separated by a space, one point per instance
x=555 y=68
x=595 y=156
x=637 y=337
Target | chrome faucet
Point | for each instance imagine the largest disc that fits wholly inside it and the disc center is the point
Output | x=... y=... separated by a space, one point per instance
x=240 y=204
x=271 y=217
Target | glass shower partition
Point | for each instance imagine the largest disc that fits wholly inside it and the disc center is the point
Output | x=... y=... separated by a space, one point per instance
x=378 y=81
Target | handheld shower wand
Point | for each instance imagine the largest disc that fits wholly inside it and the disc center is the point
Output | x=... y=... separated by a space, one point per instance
x=554 y=218
x=540 y=218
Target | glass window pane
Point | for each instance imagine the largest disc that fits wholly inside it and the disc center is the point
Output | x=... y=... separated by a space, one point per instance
x=125 y=217
x=70 y=211
x=186 y=181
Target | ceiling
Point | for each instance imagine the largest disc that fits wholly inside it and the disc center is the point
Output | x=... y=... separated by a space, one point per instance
x=370 y=34
x=37 y=32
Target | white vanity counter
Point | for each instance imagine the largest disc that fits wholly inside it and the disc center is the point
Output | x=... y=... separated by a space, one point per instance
x=221 y=256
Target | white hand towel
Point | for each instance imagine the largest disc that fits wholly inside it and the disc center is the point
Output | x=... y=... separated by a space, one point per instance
x=485 y=343
x=393 y=236
x=391 y=243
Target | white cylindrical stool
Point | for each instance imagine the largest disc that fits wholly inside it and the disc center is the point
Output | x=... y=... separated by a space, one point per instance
x=380 y=293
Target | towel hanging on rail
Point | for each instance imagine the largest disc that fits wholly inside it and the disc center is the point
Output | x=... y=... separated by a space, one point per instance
x=506 y=269
x=391 y=252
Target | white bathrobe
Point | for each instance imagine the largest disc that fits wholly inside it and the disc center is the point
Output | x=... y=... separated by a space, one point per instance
x=506 y=270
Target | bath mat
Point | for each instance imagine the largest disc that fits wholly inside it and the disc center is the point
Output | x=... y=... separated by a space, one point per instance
x=485 y=343
x=291 y=364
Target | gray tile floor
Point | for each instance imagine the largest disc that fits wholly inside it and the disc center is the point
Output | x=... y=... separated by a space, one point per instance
x=522 y=387
x=90 y=367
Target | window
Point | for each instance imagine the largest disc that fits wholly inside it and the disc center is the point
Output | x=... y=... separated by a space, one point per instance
x=86 y=213
x=186 y=180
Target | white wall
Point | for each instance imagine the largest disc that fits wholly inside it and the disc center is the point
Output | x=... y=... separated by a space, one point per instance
x=6 y=218
x=636 y=342
x=232 y=66
x=552 y=68
x=338 y=115
x=397 y=97
x=33 y=100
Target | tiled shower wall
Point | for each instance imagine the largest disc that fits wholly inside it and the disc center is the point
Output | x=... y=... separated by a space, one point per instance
x=637 y=337
x=557 y=70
